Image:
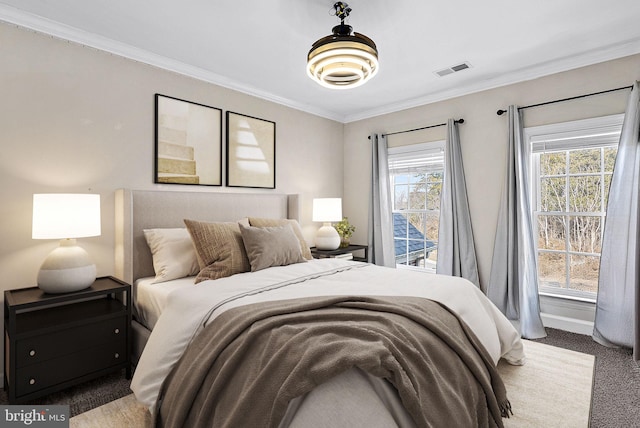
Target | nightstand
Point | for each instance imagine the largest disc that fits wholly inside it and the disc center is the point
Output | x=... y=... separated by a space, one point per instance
x=53 y=341
x=322 y=254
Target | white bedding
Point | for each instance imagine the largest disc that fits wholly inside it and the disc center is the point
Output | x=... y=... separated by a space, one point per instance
x=189 y=309
x=152 y=298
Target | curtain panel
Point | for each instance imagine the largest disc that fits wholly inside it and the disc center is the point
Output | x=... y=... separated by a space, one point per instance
x=381 y=246
x=513 y=284
x=456 y=248
x=617 y=319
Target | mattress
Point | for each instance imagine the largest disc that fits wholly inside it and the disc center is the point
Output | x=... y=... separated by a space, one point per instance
x=151 y=299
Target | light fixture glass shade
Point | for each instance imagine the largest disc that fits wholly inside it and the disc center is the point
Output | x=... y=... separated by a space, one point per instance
x=66 y=217
x=327 y=210
x=342 y=60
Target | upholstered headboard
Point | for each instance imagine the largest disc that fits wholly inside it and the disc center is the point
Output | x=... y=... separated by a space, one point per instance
x=137 y=210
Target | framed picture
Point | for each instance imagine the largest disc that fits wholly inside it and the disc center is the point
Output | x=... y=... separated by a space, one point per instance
x=188 y=142
x=251 y=151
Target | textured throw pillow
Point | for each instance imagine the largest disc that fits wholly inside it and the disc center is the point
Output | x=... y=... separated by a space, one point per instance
x=220 y=249
x=172 y=252
x=271 y=246
x=270 y=222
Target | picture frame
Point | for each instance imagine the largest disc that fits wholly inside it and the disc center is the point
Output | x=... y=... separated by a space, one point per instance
x=251 y=152
x=188 y=142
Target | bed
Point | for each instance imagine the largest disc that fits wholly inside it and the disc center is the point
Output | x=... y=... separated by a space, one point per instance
x=237 y=349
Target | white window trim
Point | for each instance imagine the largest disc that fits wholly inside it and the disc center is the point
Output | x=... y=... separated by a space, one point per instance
x=564 y=131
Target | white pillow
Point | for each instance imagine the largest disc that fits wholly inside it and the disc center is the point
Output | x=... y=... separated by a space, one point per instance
x=173 y=253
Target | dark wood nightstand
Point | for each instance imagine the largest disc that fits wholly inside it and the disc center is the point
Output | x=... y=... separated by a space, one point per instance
x=322 y=254
x=53 y=341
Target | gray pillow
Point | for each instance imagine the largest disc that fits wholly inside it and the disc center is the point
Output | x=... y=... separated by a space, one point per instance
x=271 y=246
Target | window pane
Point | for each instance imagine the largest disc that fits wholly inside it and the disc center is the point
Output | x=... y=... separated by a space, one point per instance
x=584 y=234
x=552 y=270
x=581 y=161
x=552 y=194
x=400 y=178
x=607 y=185
x=417 y=199
x=401 y=251
x=400 y=197
x=585 y=194
x=584 y=273
x=553 y=163
x=433 y=196
x=431 y=228
x=609 y=158
x=551 y=232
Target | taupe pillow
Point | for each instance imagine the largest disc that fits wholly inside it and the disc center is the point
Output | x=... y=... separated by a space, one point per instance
x=270 y=222
x=271 y=246
x=220 y=249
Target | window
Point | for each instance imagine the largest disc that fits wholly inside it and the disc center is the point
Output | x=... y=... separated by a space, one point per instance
x=572 y=165
x=416 y=174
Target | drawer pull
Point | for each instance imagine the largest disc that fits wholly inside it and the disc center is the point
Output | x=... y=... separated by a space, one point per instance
x=116 y=331
x=117 y=355
x=32 y=381
x=32 y=353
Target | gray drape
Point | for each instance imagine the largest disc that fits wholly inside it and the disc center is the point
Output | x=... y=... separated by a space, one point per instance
x=513 y=284
x=617 y=310
x=381 y=247
x=456 y=250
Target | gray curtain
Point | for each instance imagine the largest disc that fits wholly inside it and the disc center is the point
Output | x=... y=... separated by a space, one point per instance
x=617 y=310
x=513 y=284
x=381 y=246
x=456 y=250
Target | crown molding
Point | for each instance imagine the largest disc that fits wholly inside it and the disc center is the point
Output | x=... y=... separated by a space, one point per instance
x=46 y=26
x=584 y=59
x=39 y=24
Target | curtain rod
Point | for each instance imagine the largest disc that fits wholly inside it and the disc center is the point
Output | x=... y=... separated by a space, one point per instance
x=501 y=112
x=419 y=129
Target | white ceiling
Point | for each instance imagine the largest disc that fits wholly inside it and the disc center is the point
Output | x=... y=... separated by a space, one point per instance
x=260 y=46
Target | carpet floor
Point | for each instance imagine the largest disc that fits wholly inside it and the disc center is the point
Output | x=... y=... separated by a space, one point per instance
x=616 y=392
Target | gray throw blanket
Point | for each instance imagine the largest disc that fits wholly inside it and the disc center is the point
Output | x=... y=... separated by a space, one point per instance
x=244 y=368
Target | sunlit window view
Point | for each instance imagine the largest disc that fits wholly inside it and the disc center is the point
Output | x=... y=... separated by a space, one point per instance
x=416 y=175
x=571 y=186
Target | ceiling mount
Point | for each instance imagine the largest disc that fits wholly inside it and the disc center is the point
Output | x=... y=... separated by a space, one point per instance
x=342 y=60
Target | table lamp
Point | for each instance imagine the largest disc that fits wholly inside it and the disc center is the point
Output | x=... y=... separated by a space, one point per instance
x=66 y=217
x=327 y=210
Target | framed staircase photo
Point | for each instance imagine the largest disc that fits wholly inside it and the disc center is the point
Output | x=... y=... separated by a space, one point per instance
x=188 y=142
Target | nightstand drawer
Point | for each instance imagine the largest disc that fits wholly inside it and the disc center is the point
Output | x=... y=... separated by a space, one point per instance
x=45 y=347
x=38 y=376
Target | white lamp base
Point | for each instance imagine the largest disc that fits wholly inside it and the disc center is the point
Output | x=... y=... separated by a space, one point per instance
x=67 y=268
x=327 y=238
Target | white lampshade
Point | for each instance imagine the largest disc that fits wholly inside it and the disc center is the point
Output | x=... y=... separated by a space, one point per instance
x=327 y=210
x=66 y=217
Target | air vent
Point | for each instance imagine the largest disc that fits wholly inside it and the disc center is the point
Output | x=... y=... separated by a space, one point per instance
x=453 y=69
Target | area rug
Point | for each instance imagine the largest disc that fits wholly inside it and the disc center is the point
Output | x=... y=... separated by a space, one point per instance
x=553 y=389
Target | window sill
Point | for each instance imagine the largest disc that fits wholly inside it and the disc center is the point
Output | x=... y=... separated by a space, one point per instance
x=568 y=297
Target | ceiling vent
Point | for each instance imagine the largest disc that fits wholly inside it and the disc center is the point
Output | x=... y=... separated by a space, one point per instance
x=453 y=69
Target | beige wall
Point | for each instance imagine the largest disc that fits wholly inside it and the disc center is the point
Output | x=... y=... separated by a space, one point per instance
x=483 y=137
x=74 y=119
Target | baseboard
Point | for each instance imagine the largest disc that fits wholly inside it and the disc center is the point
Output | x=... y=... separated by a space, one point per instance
x=567 y=324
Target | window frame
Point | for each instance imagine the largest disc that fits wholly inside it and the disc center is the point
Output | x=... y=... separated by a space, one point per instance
x=408 y=152
x=564 y=137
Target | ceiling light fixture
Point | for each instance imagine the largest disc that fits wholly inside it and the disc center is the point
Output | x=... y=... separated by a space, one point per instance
x=342 y=60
